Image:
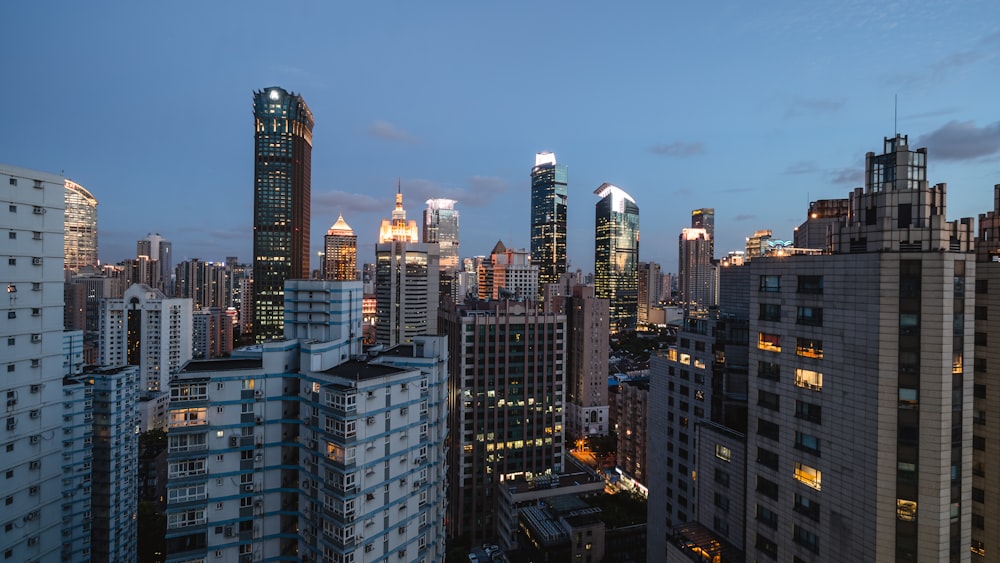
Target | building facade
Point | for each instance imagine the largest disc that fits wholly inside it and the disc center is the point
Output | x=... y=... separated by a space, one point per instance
x=509 y=274
x=80 y=243
x=549 y=197
x=505 y=397
x=441 y=227
x=588 y=343
x=283 y=127
x=695 y=271
x=158 y=253
x=616 y=255
x=340 y=252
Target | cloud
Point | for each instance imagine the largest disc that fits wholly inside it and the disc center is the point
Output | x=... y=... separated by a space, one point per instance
x=678 y=149
x=388 y=131
x=335 y=202
x=934 y=73
x=962 y=140
x=802 y=167
x=482 y=190
x=852 y=175
x=815 y=106
x=745 y=217
x=682 y=192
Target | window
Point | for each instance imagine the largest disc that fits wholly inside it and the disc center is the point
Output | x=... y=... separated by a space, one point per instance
x=12 y=261
x=770 y=284
x=767 y=517
x=12 y=208
x=806 y=539
x=908 y=398
x=770 y=312
x=767 y=458
x=767 y=429
x=806 y=442
x=769 y=342
x=906 y=510
x=723 y=453
x=809 y=348
x=808 y=411
x=807 y=506
x=12 y=235
x=766 y=546
x=767 y=487
x=722 y=477
x=808 y=476
x=768 y=370
x=811 y=316
x=13 y=181
x=808 y=379
x=810 y=284
x=768 y=400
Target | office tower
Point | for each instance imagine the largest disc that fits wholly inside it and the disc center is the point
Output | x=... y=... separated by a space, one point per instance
x=340 y=252
x=860 y=393
x=649 y=290
x=212 y=333
x=695 y=275
x=509 y=274
x=147 y=329
x=159 y=252
x=204 y=283
x=355 y=478
x=616 y=255
x=549 y=195
x=821 y=219
x=406 y=281
x=586 y=363
x=505 y=396
x=704 y=218
x=32 y=333
x=757 y=244
x=441 y=226
x=283 y=127
x=80 y=243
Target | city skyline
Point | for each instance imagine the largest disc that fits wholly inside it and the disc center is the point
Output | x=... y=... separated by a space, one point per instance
x=677 y=121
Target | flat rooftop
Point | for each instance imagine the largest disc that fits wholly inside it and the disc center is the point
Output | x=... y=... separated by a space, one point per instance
x=360 y=371
x=224 y=364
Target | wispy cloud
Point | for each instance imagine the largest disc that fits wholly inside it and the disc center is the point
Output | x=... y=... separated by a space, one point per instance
x=682 y=192
x=815 y=106
x=334 y=202
x=745 y=217
x=852 y=175
x=936 y=72
x=679 y=149
x=385 y=130
x=802 y=167
x=481 y=190
x=962 y=140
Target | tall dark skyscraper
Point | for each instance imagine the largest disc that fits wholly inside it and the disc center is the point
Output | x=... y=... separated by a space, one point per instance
x=704 y=218
x=548 y=218
x=282 y=172
x=616 y=255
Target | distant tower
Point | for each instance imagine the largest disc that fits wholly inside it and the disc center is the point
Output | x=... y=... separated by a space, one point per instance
x=80 y=243
x=616 y=255
x=282 y=176
x=694 y=269
x=509 y=274
x=441 y=226
x=340 y=252
x=406 y=281
x=704 y=218
x=157 y=248
x=548 y=218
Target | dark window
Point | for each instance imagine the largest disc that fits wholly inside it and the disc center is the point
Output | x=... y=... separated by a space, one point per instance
x=810 y=284
x=722 y=502
x=767 y=546
x=721 y=477
x=768 y=370
x=809 y=411
x=978 y=522
x=767 y=487
x=979 y=443
x=905 y=215
x=768 y=400
x=979 y=391
x=980 y=339
x=978 y=495
x=811 y=316
x=982 y=286
x=806 y=539
x=767 y=458
x=770 y=312
x=766 y=517
x=807 y=442
x=770 y=284
x=767 y=429
x=804 y=505
x=982 y=313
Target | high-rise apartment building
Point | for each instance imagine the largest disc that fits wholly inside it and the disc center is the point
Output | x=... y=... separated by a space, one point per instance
x=704 y=218
x=587 y=363
x=212 y=333
x=341 y=451
x=31 y=271
x=147 y=329
x=159 y=260
x=283 y=127
x=649 y=290
x=616 y=255
x=340 y=252
x=695 y=271
x=441 y=227
x=406 y=281
x=509 y=274
x=505 y=395
x=204 y=283
x=549 y=195
x=80 y=243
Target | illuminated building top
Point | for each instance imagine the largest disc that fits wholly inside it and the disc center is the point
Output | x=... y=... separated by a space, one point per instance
x=398 y=228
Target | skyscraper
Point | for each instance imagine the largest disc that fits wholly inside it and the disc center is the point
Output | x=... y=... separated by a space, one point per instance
x=159 y=252
x=441 y=226
x=704 y=218
x=340 y=252
x=282 y=176
x=695 y=275
x=616 y=255
x=509 y=274
x=80 y=244
x=548 y=218
x=406 y=281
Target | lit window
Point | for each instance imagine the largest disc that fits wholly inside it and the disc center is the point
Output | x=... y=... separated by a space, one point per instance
x=808 y=379
x=769 y=342
x=809 y=347
x=808 y=476
x=723 y=453
x=906 y=510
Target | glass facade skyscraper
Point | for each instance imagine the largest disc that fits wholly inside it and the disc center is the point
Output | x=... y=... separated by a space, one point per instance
x=616 y=255
x=80 y=243
x=282 y=172
x=548 y=218
x=441 y=226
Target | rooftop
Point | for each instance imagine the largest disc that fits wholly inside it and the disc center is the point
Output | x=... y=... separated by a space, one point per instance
x=360 y=371
x=225 y=364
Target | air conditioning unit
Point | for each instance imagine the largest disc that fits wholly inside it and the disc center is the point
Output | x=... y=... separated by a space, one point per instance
x=36 y=388
x=35 y=413
x=229 y=531
x=35 y=464
x=31 y=516
x=258 y=457
x=234 y=441
x=35 y=439
x=312 y=444
x=248 y=487
x=36 y=261
x=371 y=394
x=11 y=423
x=38 y=210
x=36 y=337
x=32 y=541
x=371 y=420
x=258 y=420
x=258 y=394
x=33 y=490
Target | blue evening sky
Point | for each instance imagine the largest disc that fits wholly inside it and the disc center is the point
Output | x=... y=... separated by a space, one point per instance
x=753 y=108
